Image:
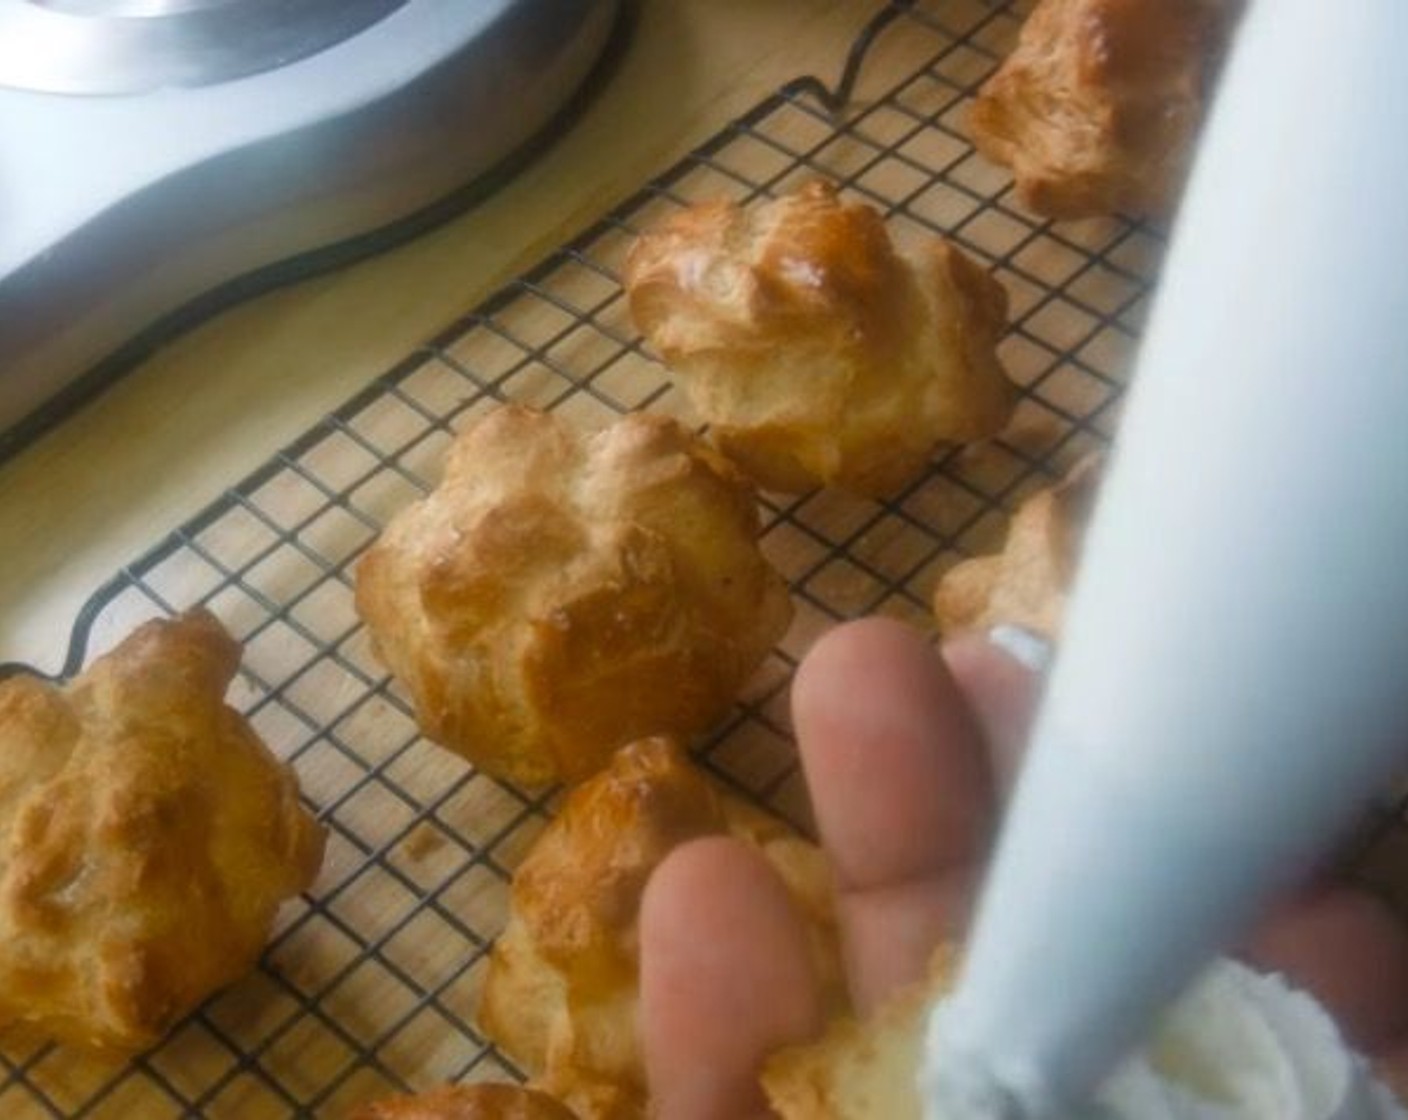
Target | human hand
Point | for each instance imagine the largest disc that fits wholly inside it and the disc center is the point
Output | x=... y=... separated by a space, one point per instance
x=907 y=752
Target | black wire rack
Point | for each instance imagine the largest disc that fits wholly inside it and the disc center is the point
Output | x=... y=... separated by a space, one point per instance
x=370 y=982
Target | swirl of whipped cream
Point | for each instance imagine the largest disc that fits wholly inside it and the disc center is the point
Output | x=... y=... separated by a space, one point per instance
x=1238 y=1046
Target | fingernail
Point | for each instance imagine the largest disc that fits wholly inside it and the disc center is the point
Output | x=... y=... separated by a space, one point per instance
x=1025 y=646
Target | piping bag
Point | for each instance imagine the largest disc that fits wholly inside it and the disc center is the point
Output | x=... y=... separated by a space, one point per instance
x=1232 y=685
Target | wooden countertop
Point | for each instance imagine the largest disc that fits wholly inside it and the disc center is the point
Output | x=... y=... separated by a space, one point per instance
x=156 y=448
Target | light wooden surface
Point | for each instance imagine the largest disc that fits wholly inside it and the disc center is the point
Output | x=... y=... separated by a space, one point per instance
x=159 y=446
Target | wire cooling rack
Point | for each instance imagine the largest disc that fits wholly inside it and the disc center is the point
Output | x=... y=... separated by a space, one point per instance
x=370 y=983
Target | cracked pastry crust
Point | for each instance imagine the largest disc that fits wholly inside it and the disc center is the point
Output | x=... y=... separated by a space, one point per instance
x=560 y=594
x=819 y=353
x=562 y=991
x=147 y=837
x=486 y=1101
x=1027 y=582
x=861 y=1070
x=1097 y=108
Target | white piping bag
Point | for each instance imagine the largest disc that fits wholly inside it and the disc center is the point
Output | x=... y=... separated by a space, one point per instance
x=1232 y=685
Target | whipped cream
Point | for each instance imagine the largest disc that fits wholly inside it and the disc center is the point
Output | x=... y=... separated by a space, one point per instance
x=1237 y=1046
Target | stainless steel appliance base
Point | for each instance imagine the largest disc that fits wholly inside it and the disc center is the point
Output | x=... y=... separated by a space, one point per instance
x=135 y=215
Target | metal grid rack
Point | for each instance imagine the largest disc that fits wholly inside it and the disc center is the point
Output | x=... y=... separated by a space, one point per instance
x=370 y=983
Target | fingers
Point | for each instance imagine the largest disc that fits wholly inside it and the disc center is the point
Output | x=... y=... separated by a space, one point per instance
x=1002 y=691
x=892 y=756
x=903 y=798
x=1348 y=950
x=903 y=751
x=726 y=978
x=901 y=792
